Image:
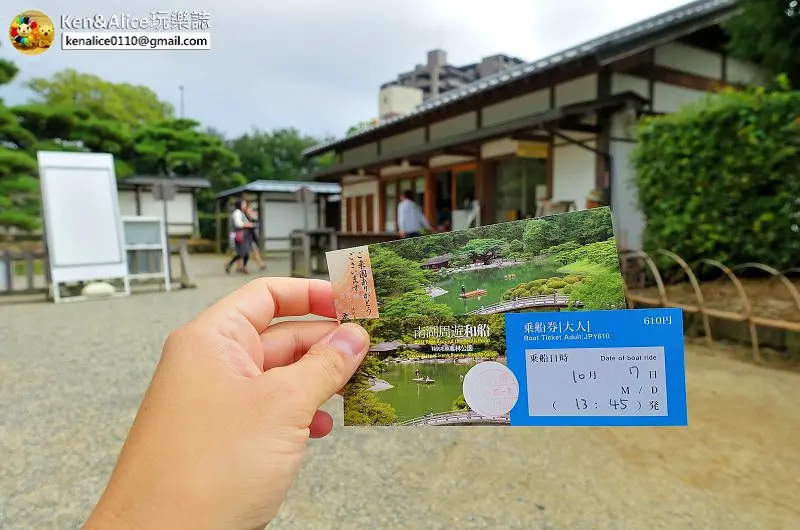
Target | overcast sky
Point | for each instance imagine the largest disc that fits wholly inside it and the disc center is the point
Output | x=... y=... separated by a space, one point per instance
x=317 y=64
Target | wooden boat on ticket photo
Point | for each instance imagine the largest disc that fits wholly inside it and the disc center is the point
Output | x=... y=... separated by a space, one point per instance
x=474 y=294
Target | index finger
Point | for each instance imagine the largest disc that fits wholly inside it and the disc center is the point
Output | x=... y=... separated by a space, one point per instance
x=264 y=299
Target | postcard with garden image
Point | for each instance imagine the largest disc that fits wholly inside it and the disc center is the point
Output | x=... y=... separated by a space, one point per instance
x=415 y=371
x=563 y=262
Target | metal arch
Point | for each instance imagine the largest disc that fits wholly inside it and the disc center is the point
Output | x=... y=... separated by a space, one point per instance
x=743 y=295
x=662 y=291
x=695 y=286
x=776 y=274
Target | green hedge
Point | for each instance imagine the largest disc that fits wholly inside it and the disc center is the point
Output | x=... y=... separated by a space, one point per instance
x=721 y=179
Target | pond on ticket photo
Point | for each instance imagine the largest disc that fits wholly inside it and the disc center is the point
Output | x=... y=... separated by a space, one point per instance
x=416 y=367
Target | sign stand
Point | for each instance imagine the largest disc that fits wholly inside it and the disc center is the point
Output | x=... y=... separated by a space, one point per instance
x=82 y=222
x=144 y=236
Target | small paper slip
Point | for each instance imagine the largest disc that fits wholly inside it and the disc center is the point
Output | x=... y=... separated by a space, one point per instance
x=569 y=369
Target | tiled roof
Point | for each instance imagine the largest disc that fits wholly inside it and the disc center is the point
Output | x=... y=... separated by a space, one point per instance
x=662 y=21
x=281 y=186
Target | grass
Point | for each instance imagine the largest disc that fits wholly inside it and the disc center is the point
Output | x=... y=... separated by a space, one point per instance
x=582 y=267
x=20 y=267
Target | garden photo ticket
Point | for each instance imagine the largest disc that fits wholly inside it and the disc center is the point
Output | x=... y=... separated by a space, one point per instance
x=568 y=369
x=564 y=262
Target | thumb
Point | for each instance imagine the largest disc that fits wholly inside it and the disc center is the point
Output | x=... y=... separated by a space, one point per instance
x=330 y=363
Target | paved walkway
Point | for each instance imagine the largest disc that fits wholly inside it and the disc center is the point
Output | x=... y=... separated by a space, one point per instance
x=69 y=390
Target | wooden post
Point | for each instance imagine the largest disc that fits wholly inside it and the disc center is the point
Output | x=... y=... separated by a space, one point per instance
x=138 y=200
x=195 y=215
x=484 y=191
x=218 y=226
x=262 y=234
x=430 y=197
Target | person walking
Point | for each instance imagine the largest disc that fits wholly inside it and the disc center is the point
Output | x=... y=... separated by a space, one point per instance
x=410 y=220
x=241 y=240
x=252 y=235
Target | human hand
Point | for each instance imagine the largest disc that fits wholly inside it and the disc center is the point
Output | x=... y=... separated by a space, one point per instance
x=223 y=427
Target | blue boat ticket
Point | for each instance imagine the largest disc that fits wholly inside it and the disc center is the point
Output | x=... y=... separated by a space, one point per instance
x=591 y=368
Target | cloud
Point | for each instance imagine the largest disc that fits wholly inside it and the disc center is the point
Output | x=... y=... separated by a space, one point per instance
x=317 y=64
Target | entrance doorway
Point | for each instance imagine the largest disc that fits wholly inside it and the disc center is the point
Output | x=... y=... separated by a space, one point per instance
x=455 y=190
x=518 y=184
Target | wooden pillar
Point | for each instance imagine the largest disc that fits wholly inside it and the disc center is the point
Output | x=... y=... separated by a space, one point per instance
x=550 y=166
x=430 y=197
x=484 y=190
x=195 y=215
x=262 y=236
x=381 y=226
x=218 y=226
x=138 y=200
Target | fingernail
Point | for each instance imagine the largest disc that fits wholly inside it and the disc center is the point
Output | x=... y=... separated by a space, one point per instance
x=350 y=339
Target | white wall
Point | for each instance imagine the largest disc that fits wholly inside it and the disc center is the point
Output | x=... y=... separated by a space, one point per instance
x=580 y=89
x=744 y=73
x=574 y=170
x=279 y=218
x=689 y=59
x=495 y=148
x=630 y=83
x=628 y=220
x=670 y=98
x=127 y=202
x=365 y=187
x=180 y=212
x=398 y=99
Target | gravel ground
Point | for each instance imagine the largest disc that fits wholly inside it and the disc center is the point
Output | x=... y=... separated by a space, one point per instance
x=71 y=378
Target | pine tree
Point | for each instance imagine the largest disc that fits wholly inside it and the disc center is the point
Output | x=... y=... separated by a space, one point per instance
x=19 y=187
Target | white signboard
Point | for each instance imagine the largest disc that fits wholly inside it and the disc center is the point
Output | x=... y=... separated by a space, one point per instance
x=82 y=220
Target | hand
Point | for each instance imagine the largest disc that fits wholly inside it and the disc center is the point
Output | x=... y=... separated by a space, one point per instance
x=222 y=429
x=402 y=234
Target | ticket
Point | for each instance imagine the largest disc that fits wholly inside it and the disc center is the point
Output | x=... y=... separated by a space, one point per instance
x=567 y=261
x=566 y=369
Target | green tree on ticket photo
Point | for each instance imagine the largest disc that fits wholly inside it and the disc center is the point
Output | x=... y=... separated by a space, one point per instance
x=507 y=267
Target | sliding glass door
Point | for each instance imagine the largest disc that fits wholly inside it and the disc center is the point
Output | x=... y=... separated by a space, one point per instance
x=518 y=185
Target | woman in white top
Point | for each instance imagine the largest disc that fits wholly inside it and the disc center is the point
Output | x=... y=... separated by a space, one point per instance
x=241 y=241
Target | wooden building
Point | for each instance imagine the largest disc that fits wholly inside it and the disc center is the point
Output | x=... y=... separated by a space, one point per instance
x=136 y=198
x=282 y=209
x=545 y=132
x=438 y=262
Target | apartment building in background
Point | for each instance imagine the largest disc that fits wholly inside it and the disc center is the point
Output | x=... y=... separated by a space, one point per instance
x=436 y=77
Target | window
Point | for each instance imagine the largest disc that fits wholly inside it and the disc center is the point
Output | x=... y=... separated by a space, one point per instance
x=517 y=183
x=465 y=188
x=393 y=193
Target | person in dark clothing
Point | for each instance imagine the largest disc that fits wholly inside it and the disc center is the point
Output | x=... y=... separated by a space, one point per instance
x=240 y=225
x=252 y=234
x=444 y=217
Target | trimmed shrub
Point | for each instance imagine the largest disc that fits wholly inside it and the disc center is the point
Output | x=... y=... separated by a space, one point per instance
x=721 y=179
x=572 y=279
x=556 y=284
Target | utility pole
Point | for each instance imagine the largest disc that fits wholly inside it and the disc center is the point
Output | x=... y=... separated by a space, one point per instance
x=183 y=113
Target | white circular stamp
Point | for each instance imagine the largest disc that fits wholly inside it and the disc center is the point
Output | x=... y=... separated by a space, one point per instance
x=491 y=389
